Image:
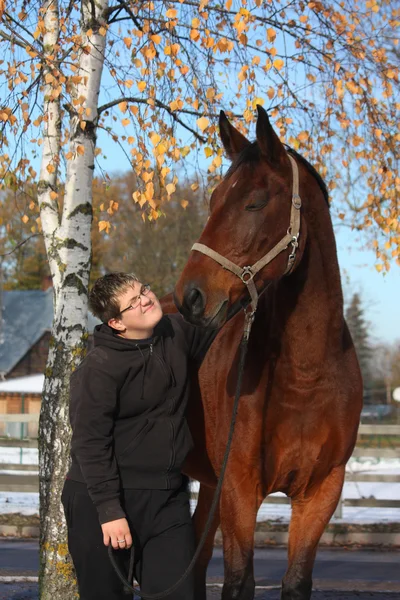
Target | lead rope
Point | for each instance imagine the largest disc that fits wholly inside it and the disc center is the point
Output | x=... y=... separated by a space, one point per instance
x=249 y=318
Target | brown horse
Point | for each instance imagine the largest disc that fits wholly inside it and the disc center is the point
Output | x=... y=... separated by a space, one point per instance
x=302 y=390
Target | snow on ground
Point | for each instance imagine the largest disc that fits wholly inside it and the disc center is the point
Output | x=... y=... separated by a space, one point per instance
x=28 y=503
x=19 y=456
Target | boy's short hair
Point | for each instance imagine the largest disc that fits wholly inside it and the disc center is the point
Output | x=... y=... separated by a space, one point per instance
x=103 y=297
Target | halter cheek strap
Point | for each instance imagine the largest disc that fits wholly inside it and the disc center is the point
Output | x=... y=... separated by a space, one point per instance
x=246 y=274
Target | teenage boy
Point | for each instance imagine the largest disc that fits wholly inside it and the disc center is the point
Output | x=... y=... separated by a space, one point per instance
x=129 y=441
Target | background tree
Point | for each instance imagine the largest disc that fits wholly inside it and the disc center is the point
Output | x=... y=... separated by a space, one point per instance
x=359 y=332
x=22 y=251
x=156 y=250
x=385 y=371
x=152 y=77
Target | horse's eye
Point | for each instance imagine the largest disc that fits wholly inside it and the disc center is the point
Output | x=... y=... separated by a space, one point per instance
x=256 y=205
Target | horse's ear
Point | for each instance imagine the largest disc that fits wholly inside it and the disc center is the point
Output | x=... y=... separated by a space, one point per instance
x=233 y=141
x=270 y=145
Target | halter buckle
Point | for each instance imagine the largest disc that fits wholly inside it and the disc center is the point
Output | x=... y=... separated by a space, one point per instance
x=246 y=271
x=296 y=201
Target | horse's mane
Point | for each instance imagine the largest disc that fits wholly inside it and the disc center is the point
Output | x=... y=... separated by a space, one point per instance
x=252 y=154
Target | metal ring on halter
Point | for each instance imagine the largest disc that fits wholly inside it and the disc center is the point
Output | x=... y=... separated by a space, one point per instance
x=295 y=242
x=246 y=271
x=296 y=201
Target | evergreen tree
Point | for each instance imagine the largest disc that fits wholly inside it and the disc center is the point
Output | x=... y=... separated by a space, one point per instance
x=359 y=332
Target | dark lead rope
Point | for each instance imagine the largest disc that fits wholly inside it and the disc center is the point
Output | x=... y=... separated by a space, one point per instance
x=128 y=584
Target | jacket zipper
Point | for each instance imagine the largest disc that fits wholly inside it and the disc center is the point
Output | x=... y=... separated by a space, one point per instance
x=163 y=365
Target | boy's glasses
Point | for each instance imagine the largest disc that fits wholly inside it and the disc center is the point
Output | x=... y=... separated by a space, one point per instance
x=144 y=290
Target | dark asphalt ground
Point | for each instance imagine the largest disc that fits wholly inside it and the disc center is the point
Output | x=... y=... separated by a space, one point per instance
x=339 y=574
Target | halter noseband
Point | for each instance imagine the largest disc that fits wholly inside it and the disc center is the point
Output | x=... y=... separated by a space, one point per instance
x=246 y=274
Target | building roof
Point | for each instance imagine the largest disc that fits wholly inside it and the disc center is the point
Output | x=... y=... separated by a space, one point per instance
x=31 y=384
x=25 y=316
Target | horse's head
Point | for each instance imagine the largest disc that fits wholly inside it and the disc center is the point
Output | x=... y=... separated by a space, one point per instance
x=254 y=221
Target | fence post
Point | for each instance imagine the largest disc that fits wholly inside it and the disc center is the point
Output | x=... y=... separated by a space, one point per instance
x=21 y=450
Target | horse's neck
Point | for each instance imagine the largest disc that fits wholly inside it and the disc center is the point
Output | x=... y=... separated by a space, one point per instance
x=308 y=304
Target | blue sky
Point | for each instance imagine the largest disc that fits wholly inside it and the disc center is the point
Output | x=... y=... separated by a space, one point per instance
x=380 y=293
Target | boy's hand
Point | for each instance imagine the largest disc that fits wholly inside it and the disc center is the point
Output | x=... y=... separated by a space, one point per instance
x=118 y=533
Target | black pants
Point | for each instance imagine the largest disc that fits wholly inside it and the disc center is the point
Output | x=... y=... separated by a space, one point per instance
x=162 y=533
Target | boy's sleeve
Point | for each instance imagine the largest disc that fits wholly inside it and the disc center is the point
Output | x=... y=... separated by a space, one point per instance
x=93 y=401
x=199 y=339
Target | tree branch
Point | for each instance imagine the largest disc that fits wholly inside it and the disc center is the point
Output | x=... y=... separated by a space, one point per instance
x=164 y=107
x=19 y=245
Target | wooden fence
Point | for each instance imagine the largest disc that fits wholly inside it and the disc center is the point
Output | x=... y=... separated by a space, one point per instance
x=29 y=483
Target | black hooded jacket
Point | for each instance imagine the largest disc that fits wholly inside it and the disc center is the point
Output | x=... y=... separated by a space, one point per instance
x=127 y=410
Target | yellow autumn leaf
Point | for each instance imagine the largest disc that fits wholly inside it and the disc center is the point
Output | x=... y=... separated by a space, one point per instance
x=125 y=122
x=147 y=176
x=194 y=186
x=131 y=140
x=53 y=195
x=141 y=85
x=155 y=38
x=184 y=203
x=80 y=150
x=202 y=123
x=208 y=151
x=379 y=268
x=278 y=64
x=270 y=93
x=123 y=106
x=170 y=187
x=161 y=149
x=25 y=219
x=303 y=136
x=50 y=168
x=271 y=34
x=259 y=101
x=171 y=13
x=104 y=225
x=128 y=42
x=217 y=161
x=155 y=138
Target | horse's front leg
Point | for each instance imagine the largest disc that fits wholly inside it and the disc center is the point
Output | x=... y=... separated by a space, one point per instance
x=238 y=509
x=309 y=518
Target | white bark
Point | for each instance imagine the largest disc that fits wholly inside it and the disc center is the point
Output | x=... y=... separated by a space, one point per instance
x=51 y=140
x=68 y=243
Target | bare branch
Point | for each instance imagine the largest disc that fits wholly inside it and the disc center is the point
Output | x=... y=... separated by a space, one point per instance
x=19 y=245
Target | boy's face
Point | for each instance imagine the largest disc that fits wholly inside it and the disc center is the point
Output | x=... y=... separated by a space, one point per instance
x=140 y=312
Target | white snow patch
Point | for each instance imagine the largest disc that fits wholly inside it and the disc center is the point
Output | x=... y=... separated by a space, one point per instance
x=19 y=456
x=26 y=503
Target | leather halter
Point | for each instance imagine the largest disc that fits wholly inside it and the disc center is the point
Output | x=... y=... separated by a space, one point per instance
x=246 y=274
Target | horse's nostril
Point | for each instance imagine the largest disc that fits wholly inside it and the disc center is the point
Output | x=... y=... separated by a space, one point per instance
x=194 y=301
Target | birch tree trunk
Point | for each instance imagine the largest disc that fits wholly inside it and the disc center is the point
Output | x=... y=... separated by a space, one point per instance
x=68 y=245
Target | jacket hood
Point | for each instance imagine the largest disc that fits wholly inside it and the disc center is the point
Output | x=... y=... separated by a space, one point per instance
x=106 y=336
